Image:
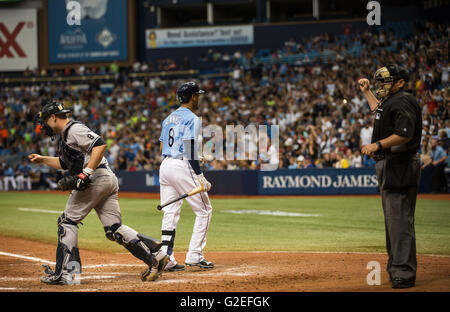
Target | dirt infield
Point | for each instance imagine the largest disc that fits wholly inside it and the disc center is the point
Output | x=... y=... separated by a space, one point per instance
x=20 y=269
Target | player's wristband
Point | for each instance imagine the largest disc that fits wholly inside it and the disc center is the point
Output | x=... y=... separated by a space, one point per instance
x=88 y=171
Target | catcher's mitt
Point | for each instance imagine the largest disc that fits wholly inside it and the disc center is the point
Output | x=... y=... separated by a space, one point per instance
x=74 y=183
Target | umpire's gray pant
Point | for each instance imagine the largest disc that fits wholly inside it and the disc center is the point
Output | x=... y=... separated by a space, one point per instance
x=399 y=207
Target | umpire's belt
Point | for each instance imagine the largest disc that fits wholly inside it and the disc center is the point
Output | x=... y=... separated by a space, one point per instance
x=377 y=156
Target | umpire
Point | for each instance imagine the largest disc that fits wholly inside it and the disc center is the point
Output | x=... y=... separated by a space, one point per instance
x=396 y=138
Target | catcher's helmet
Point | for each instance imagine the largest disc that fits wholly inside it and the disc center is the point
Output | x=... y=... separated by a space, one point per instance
x=187 y=90
x=386 y=77
x=49 y=109
x=52 y=108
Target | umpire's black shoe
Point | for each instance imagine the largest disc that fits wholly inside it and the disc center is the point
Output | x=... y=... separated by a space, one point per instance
x=398 y=282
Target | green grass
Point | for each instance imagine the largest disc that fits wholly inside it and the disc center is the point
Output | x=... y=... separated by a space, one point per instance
x=346 y=223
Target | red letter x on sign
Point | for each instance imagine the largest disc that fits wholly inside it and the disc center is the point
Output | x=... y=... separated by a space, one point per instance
x=11 y=41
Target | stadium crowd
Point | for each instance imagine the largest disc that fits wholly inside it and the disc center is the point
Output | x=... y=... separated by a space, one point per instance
x=323 y=118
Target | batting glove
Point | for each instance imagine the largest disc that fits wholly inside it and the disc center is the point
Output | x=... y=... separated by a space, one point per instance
x=83 y=179
x=206 y=185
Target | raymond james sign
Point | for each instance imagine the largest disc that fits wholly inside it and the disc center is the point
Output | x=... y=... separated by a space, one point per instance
x=198 y=36
x=318 y=181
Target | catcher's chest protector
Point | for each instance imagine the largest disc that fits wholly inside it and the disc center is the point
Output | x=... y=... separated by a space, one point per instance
x=72 y=158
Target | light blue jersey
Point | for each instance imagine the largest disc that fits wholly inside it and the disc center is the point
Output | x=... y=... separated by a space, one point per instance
x=181 y=125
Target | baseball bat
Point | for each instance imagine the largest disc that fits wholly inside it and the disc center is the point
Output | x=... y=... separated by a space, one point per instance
x=194 y=191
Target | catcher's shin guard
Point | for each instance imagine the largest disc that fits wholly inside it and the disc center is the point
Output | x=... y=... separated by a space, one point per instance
x=153 y=244
x=66 y=260
x=67 y=254
x=138 y=245
x=140 y=251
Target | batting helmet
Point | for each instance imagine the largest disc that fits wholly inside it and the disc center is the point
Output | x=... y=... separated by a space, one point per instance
x=187 y=90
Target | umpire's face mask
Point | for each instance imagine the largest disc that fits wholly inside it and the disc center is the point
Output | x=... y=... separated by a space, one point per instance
x=383 y=83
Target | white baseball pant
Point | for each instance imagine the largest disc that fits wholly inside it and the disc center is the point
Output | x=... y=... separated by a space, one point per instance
x=177 y=178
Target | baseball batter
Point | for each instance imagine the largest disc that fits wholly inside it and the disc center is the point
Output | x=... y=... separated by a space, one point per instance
x=179 y=173
x=94 y=186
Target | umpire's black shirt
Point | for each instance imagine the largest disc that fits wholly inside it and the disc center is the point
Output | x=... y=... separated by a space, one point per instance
x=399 y=114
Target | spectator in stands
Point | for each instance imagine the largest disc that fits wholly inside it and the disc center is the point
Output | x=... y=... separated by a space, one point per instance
x=327 y=161
x=308 y=163
x=309 y=97
x=300 y=162
x=341 y=161
x=356 y=161
x=366 y=134
x=368 y=162
x=437 y=160
x=292 y=163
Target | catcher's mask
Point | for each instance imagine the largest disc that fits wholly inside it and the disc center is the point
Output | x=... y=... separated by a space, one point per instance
x=49 y=109
x=386 y=77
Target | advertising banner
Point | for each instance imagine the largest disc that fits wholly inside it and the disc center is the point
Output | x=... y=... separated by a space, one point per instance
x=18 y=40
x=87 y=31
x=317 y=181
x=198 y=36
x=280 y=182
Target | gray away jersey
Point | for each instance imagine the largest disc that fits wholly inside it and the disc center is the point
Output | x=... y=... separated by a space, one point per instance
x=81 y=138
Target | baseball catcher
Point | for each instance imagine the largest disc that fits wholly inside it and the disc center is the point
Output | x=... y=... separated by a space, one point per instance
x=94 y=186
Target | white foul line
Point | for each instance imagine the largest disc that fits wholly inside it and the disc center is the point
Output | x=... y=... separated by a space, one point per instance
x=26 y=257
x=111 y=265
x=276 y=213
x=2 y=253
x=39 y=210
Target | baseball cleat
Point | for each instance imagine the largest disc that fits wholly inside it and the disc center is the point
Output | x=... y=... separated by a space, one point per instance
x=177 y=267
x=64 y=279
x=204 y=264
x=152 y=273
x=47 y=269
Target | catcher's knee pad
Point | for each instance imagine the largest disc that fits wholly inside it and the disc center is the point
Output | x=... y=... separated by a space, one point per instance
x=168 y=239
x=110 y=230
x=120 y=233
